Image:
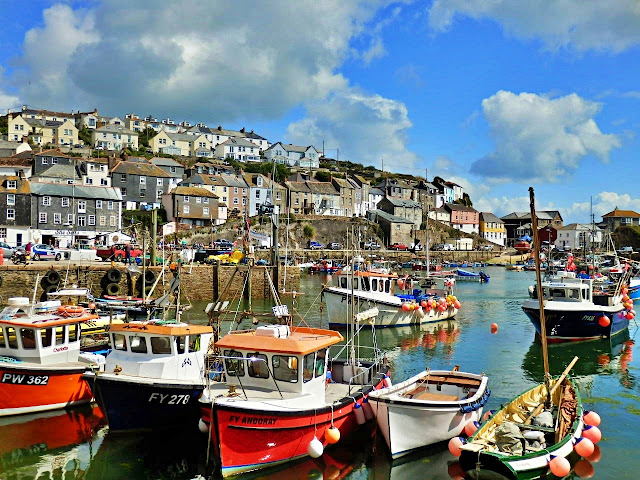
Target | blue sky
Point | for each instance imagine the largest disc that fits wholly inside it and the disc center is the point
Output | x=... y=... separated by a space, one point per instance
x=495 y=95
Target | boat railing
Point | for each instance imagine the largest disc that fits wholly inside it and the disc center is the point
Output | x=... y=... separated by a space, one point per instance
x=364 y=375
x=373 y=354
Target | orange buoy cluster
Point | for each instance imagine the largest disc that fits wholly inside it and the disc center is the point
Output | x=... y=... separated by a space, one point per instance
x=441 y=304
x=627 y=302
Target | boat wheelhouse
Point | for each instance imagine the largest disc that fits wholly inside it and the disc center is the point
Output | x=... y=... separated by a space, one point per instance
x=154 y=375
x=277 y=390
x=41 y=367
x=376 y=288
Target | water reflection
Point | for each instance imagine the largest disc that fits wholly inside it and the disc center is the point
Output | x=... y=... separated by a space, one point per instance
x=50 y=445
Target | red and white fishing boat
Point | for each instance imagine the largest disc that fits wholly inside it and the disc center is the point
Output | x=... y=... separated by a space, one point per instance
x=282 y=394
x=41 y=366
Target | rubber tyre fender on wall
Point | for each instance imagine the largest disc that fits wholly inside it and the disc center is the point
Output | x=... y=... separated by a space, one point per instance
x=112 y=289
x=150 y=277
x=113 y=275
x=53 y=277
x=50 y=288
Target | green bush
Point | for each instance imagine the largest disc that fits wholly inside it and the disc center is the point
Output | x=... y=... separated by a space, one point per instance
x=308 y=231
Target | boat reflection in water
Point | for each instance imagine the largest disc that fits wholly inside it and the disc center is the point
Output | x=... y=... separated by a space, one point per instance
x=56 y=444
x=433 y=462
x=607 y=356
x=428 y=335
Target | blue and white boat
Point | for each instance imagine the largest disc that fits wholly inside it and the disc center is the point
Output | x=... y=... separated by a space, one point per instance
x=467 y=276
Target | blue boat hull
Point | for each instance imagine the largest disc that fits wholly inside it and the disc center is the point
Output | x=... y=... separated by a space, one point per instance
x=575 y=326
x=132 y=406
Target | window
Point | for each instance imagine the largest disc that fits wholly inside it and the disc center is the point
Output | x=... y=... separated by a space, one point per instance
x=112 y=221
x=205 y=210
x=12 y=337
x=224 y=199
x=92 y=219
x=103 y=220
x=235 y=189
x=74 y=332
x=28 y=338
x=57 y=218
x=109 y=205
x=235 y=368
x=123 y=178
x=12 y=184
x=194 y=343
x=160 y=345
x=42 y=218
x=285 y=368
x=159 y=182
x=45 y=161
x=186 y=199
x=159 y=194
x=138 y=344
x=82 y=221
x=205 y=200
x=46 y=201
x=172 y=169
x=143 y=180
x=82 y=206
x=185 y=209
x=98 y=204
x=235 y=201
x=119 y=341
x=3 y=344
x=89 y=181
x=244 y=201
x=46 y=337
x=70 y=218
x=143 y=192
x=104 y=182
x=11 y=199
x=307 y=367
x=244 y=191
x=65 y=201
x=123 y=191
x=257 y=365
x=224 y=189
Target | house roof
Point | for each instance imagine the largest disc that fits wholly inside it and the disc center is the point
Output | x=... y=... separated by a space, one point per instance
x=616 y=212
x=241 y=142
x=77 y=191
x=373 y=214
x=297 y=186
x=233 y=181
x=115 y=129
x=292 y=148
x=393 y=182
x=24 y=187
x=342 y=183
x=41 y=122
x=459 y=207
x=323 y=188
x=541 y=215
x=60 y=170
x=200 y=130
x=15 y=161
x=32 y=111
x=193 y=192
x=376 y=191
x=182 y=137
x=579 y=226
x=489 y=217
x=142 y=169
x=403 y=202
x=53 y=152
x=165 y=162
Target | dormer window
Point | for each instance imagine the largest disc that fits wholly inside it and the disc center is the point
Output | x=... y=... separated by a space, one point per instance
x=12 y=184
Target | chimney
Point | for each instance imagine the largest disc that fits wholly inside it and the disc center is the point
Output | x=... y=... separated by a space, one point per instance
x=220 y=127
x=242 y=130
x=21 y=175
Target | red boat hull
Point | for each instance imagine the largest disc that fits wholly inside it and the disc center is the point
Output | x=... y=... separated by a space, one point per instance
x=26 y=390
x=250 y=440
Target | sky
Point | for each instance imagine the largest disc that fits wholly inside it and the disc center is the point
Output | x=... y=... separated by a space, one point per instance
x=495 y=95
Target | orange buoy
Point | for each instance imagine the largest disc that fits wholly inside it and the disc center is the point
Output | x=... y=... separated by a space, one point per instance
x=591 y=418
x=583 y=447
x=454 y=445
x=494 y=327
x=592 y=433
x=470 y=428
x=560 y=466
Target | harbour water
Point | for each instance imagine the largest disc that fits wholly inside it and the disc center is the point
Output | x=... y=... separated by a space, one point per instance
x=75 y=444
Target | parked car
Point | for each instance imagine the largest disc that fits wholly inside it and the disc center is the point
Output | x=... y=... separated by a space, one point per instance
x=449 y=246
x=398 y=246
x=371 y=245
x=335 y=246
x=222 y=244
x=438 y=246
x=116 y=252
x=486 y=247
x=415 y=247
x=45 y=252
x=6 y=249
x=313 y=245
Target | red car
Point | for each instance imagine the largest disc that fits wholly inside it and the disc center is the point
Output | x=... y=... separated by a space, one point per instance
x=398 y=246
x=116 y=252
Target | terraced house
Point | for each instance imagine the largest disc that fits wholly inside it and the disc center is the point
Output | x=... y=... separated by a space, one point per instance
x=15 y=210
x=193 y=206
x=114 y=137
x=492 y=228
x=42 y=131
x=140 y=183
x=181 y=144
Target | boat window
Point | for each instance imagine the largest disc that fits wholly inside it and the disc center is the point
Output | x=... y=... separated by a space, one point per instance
x=194 y=343
x=235 y=368
x=365 y=284
x=138 y=344
x=307 y=367
x=13 y=339
x=343 y=282
x=119 y=341
x=61 y=336
x=285 y=368
x=181 y=345
x=46 y=336
x=556 y=292
x=320 y=361
x=573 y=293
x=374 y=284
x=28 y=337
x=257 y=365
x=380 y=285
x=387 y=285
x=160 y=345
x=2 y=342
x=74 y=332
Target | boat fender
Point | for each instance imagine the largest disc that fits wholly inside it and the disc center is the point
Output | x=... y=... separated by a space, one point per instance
x=454 y=445
x=386 y=381
x=113 y=275
x=591 y=418
x=368 y=411
x=359 y=413
x=559 y=466
x=466 y=409
x=332 y=435
x=53 y=277
x=112 y=289
x=315 y=448
x=202 y=426
x=584 y=447
x=592 y=433
x=471 y=427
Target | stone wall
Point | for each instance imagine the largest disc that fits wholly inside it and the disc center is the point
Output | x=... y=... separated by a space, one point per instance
x=197 y=281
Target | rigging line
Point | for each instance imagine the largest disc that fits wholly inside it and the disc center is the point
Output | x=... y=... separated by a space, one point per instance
x=235 y=317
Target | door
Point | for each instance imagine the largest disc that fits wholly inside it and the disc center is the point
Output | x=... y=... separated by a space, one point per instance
x=18 y=239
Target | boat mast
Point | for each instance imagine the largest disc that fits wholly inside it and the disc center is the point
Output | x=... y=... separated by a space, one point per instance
x=536 y=257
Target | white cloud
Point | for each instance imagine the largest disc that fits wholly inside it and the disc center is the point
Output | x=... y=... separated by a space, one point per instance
x=538 y=138
x=603 y=202
x=7 y=100
x=581 y=24
x=366 y=128
x=199 y=60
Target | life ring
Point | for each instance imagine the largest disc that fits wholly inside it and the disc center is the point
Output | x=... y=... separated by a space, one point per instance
x=113 y=275
x=71 y=310
x=112 y=289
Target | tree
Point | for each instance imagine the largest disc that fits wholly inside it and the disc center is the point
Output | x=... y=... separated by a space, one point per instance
x=308 y=231
x=4 y=125
x=84 y=134
x=323 y=176
x=146 y=135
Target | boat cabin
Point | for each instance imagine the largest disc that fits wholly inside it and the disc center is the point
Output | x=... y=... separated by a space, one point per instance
x=274 y=357
x=367 y=281
x=157 y=349
x=43 y=338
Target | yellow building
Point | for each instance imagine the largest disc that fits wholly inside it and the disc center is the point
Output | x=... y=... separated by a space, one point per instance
x=492 y=229
x=181 y=144
x=42 y=131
